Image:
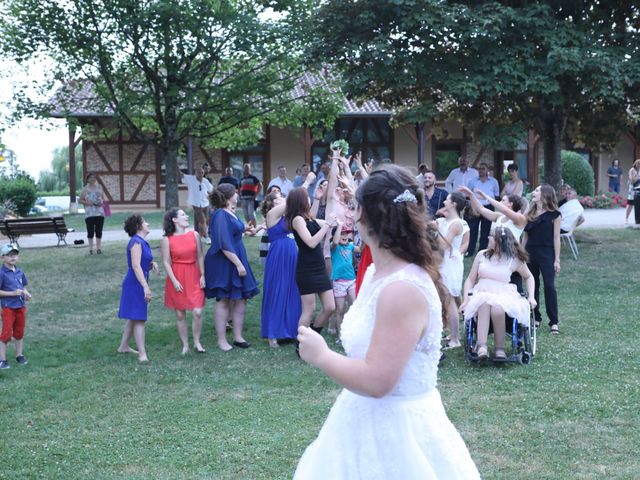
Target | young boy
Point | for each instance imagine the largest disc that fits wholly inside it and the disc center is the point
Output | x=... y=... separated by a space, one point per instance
x=12 y=297
x=343 y=273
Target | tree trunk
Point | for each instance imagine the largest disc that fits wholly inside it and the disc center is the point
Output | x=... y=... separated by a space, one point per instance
x=169 y=158
x=552 y=133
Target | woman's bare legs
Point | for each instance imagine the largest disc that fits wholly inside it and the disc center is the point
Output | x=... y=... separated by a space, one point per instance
x=126 y=336
x=138 y=334
x=183 y=331
x=328 y=307
x=237 y=314
x=454 y=323
x=220 y=318
x=628 y=212
x=196 y=329
x=497 y=319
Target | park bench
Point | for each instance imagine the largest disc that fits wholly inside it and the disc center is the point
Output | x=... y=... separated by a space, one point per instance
x=14 y=227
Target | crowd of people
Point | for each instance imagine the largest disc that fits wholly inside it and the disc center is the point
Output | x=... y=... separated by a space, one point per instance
x=383 y=251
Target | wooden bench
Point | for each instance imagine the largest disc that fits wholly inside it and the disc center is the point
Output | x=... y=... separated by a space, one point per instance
x=14 y=227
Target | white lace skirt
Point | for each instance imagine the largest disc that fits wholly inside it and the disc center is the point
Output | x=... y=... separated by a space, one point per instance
x=390 y=438
x=452 y=271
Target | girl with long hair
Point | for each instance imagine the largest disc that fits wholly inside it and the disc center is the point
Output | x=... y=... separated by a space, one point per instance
x=451 y=233
x=389 y=421
x=311 y=274
x=281 y=305
x=184 y=263
x=493 y=294
x=541 y=239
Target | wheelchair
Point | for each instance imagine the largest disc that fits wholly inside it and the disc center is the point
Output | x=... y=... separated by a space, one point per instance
x=521 y=337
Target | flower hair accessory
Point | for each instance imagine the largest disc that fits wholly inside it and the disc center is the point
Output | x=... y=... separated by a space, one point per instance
x=405 y=196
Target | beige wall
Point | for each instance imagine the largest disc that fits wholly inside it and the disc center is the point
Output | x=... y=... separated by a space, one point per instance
x=405 y=149
x=287 y=149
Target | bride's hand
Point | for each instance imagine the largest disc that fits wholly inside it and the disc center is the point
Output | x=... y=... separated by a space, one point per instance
x=312 y=345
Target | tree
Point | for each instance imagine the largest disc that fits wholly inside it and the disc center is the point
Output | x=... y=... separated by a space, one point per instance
x=57 y=178
x=566 y=69
x=215 y=70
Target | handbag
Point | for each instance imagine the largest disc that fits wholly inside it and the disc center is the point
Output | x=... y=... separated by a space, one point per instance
x=107 y=209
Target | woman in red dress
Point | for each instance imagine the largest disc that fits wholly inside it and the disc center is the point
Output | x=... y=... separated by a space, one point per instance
x=183 y=260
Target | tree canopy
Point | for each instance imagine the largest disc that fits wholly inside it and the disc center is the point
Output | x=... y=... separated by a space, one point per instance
x=215 y=70
x=569 y=70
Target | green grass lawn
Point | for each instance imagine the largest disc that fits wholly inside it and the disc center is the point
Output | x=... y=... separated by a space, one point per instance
x=78 y=410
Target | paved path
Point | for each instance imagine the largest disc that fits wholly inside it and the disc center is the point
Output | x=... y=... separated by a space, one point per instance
x=595 y=218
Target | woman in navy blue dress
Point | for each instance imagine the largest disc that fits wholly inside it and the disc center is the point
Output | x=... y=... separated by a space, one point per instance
x=136 y=293
x=228 y=276
x=281 y=305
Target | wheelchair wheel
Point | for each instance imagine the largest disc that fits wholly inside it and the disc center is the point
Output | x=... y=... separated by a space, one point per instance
x=469 y=341
x=529 y=346
x=524 y=358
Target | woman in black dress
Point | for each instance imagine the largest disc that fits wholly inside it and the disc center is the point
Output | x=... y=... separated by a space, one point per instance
x=311 y=274
x=541 y=239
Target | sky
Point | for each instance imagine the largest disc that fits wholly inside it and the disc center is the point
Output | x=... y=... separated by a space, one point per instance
x=33 y=141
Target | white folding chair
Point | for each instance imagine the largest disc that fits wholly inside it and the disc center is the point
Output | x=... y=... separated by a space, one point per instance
x=570 y=240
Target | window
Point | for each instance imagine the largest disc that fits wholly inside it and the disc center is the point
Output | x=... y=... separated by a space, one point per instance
x=370 y=135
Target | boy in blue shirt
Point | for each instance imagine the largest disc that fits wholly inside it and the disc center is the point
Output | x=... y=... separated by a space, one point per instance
x=343 y=274
x=13 y=296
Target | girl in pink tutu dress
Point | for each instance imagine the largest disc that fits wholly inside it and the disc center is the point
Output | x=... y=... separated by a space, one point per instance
x=493 y=295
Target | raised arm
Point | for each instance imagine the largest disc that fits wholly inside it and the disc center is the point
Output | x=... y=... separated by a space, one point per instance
x=477 y=207
x=312 y=241
x=516 y=217
x=401 y=318
x=273 y=215
x=358 y=159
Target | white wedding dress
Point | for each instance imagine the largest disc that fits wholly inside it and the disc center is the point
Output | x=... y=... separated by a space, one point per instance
x=405 y=435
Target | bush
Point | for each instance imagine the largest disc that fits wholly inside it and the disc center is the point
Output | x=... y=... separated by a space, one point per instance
x=20 y=191
x=604 y=200
x=577 y=172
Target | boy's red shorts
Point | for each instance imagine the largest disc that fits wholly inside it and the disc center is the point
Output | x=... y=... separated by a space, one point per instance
x=13 y=320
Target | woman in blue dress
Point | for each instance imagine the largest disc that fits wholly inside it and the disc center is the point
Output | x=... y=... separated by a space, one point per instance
x=281 y=305
x=228 y=276
x=136 y=293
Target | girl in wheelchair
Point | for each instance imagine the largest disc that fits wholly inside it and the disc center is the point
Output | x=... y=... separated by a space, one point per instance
x=492 y=294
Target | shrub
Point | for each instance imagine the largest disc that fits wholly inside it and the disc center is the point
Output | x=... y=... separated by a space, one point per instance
x=604 y=200
x=577 y=172
x=20 y=191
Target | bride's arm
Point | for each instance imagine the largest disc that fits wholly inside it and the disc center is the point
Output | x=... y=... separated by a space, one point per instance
x=401 y=317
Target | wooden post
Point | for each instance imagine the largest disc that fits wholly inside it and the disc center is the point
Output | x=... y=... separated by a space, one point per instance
x=73 y=204
x=421 y=146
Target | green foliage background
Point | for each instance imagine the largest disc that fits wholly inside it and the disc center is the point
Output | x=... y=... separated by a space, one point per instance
x=577 y=172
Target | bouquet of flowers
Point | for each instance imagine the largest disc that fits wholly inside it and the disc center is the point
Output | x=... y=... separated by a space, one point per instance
x=342 y=145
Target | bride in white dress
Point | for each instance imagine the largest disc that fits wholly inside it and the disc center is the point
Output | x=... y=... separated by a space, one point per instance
x=388 y=422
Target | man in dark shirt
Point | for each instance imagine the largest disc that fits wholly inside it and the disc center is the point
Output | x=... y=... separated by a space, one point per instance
x=435 y=196
x=250 y=186
x=229 y=178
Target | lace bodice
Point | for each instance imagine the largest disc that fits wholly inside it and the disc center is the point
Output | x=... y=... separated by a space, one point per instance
x=420 y=374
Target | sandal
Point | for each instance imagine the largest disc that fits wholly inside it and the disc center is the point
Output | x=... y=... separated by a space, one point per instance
x=555 y=330
x=483 y=353
x=500 y=355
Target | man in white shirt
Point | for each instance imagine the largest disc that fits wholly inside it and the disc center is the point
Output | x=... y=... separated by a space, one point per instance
x=489 y=186
x=460 y=177
x=281 y=181
x=199 y=189
x=571 y=211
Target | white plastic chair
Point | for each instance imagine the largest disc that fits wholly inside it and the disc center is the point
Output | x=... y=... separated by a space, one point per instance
x=570 y=240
